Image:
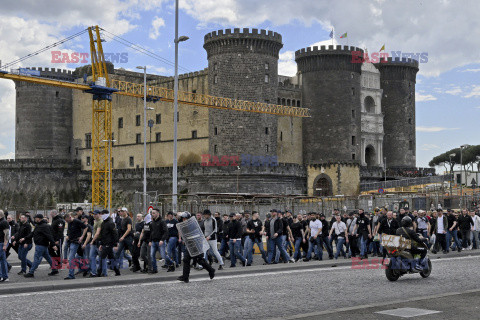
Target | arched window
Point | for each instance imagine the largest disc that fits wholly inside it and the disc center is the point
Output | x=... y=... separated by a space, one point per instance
x=369 y=104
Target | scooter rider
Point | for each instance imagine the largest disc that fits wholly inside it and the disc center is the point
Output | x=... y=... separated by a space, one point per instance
x=418 y=246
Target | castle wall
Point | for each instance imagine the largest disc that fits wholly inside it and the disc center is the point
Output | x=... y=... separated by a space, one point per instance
x=43 y=126
x=35 y=183
x=243 y=65
x=330 y=85
x=398 y=79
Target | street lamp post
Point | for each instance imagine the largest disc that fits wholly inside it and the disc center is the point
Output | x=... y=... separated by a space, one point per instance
x=144 y=137
x=385 y=170
x=461 y=173
x=451 y=171
x=175 y=111
x=110 y=141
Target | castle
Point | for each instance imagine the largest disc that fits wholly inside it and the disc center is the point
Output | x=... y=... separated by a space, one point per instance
x=361 y=114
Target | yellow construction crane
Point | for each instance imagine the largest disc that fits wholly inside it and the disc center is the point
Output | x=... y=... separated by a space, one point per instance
x=102 y=89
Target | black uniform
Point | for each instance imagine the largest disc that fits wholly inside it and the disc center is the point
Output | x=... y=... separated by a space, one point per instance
x=58 y=228
x=108 y=240
x=200 y=260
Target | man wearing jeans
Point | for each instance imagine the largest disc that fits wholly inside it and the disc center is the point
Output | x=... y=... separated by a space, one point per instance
x=340 y=229
x=314 y=232
x=234 y=236
x=24 y=230
x=452 y=232
x=4 y=239
x=254 y=230
x=363 y=230
x=274 y=229
x=158 y=237
x=75 y=234
x=126 y=240
x=210 y=232
x=465 y=224
x=172 y=237
x=298 y=234
x=475 y=230
x=97 y=225
x=43 y=237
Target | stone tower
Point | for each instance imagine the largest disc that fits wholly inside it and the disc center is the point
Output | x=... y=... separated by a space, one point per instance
x=398 y=77
x=330 y=84
x=43 y=126
x=243 y=65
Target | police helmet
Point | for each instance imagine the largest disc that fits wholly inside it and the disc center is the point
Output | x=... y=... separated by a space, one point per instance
x=406 y=222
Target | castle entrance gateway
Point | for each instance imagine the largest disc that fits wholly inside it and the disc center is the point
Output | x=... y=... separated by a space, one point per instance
x=322 y=187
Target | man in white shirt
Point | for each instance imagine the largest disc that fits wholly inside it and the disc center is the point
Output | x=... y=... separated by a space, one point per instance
x=314 y=231
x=440 y=231
x=339 y=228
x=475 y=230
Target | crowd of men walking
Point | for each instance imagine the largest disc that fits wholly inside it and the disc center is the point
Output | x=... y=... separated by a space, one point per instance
x=98 y=241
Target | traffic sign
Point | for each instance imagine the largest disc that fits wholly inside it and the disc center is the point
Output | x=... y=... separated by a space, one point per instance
x=380 y=190
x=149 y=210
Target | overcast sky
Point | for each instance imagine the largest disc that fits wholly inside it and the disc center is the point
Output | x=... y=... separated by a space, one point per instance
x=448 y=85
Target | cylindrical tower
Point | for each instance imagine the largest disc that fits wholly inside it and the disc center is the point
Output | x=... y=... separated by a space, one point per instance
x=43 y=126
x=243 y=65
x=330 y=80
x=397 y=79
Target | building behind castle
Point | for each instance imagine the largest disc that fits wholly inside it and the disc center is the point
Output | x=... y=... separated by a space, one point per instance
x=361 y=114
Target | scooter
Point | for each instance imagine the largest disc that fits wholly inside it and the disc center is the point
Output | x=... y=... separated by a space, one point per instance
x=402 y=262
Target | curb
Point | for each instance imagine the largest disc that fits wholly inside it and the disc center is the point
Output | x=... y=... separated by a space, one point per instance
x=56 y=285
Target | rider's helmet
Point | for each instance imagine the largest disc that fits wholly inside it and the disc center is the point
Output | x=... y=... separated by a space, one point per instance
x=406 y=222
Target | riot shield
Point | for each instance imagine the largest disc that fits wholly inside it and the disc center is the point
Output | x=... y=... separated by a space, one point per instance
x=193 y=237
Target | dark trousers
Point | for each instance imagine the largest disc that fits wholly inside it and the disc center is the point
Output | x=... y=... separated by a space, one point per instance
x=465 y=237
x=196 y=260
x=135 y=253
x=352 y=241
x=441 y=240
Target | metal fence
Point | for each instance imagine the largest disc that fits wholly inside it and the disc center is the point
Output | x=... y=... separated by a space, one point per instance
x=367 y=186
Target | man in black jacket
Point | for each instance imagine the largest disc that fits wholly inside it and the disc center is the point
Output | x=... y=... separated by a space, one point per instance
x=158 y=237
x=43 y=238
x=24 y=229
x=465 y=224
x=234 y=236
x=58 y=228
x=388 y=225
x=274 y=230
x=108 y=240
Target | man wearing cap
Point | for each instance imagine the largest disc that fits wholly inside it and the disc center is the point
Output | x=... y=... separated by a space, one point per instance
x=78 y=213
x=172 y=237
x=43 y=238
x=97 y=226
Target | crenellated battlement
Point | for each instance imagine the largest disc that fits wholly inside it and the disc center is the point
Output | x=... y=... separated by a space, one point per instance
x=243 y=33
x=397 y=61
x=326 y=50
x=54 y=73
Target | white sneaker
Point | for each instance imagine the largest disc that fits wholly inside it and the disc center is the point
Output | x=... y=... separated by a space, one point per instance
x=4 y=280
x=469 y=247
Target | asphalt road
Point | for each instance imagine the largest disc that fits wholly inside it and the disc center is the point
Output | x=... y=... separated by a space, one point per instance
x=310 y=293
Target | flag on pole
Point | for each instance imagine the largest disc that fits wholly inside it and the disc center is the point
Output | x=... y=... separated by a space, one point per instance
x=331 y=34
x=382 y=48
x=343 y=35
